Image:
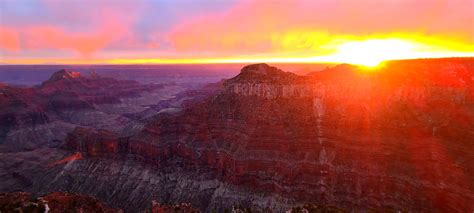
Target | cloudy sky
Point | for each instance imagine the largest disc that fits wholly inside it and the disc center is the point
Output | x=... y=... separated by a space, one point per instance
x=175 y=31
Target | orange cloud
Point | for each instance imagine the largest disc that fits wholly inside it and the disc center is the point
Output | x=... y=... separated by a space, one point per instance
x=304 y=27
x=44 y=37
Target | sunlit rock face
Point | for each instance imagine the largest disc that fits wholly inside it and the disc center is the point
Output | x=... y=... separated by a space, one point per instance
x=398 y=137
x=267 y=81
x=62 y=75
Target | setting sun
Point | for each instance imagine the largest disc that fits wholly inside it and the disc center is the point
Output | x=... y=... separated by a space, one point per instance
x=372 y=52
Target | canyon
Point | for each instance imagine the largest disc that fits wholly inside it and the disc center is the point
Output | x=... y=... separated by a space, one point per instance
x=397 y=137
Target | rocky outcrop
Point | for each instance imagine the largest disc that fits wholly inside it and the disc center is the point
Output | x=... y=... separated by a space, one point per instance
x=53 y=202
x=63 y=75
x=19 y=201
x=70 y=202
x=263 y=73
x=267 y=81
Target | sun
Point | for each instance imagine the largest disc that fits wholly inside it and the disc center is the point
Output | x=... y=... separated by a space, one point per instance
x=372 y=52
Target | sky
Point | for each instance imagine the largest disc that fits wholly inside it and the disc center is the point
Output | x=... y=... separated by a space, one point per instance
x=225 y=31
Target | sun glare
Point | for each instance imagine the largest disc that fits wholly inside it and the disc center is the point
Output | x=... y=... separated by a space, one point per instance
x=368 y=52
x=371 y=52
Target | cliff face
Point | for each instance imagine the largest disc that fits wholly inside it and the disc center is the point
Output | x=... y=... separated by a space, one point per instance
x=360 y=139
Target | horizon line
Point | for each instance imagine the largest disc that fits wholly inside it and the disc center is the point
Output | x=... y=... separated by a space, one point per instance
x=223 y=62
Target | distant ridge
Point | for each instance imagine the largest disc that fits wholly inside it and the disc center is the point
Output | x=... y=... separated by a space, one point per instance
x=63 y=74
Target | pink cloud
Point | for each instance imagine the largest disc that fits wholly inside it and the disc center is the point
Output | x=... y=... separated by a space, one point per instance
x=240 y=28
x=9 y=39
x=93 y=30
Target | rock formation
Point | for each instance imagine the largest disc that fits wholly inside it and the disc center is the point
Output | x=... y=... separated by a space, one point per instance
x=62 y=75
x=42 y=115
x=398 y=137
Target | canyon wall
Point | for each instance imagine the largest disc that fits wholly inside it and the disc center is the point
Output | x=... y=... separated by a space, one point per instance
x=396 y=137
x=342 y=137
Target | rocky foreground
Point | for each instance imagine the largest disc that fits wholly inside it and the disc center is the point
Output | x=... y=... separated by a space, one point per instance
x=397 y=137
x=70 y=202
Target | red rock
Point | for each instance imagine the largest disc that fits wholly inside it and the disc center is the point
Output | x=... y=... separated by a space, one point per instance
x=91 y=142
x=14 y=201
x=70 y=202
x=54 y=202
